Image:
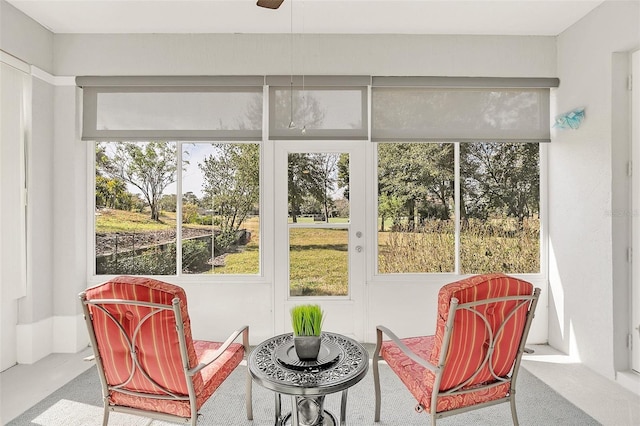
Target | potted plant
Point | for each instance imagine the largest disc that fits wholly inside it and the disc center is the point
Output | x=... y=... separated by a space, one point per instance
x=307 y=326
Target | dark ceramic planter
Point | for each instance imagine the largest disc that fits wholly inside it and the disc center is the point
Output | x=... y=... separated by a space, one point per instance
x=307 y=347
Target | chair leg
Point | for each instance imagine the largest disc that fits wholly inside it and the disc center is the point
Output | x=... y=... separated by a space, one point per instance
x=105 y=416
x=514 y=413
x=248 y=396
x=376 y=375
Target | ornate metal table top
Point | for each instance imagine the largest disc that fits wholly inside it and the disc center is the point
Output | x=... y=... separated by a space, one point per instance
x=271 y=372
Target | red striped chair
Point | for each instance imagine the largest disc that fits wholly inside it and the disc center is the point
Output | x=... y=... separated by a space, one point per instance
x=472 y=360
x=148 y=363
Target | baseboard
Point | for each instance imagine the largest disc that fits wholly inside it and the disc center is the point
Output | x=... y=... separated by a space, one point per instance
x=34 y=340
x=58 y=334
x=629 y=380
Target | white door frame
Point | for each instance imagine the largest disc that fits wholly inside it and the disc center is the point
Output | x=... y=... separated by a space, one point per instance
x=344 y=314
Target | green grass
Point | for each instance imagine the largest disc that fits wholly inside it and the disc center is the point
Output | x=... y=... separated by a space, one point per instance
x=319 y=256
x=318 y=259
x=246 y=261
x=111 y=220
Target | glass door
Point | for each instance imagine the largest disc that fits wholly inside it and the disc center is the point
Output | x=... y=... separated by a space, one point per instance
x=320 y=232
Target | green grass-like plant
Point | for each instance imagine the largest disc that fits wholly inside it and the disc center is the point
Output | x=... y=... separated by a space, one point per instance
x=307 y=320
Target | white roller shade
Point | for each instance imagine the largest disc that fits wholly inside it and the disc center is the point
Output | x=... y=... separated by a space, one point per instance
x=457 y=113
x=326 y=107
x=179 y=112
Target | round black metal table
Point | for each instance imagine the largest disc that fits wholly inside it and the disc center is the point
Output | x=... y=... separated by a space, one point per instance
x=342 y=363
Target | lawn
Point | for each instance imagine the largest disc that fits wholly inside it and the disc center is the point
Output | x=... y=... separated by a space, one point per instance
x=319 y=256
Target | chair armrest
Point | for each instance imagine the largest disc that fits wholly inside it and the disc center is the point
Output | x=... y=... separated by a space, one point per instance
x=244 y=330
x=408 y=352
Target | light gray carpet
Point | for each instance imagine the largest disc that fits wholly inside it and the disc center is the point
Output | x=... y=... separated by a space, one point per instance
x=79 y=404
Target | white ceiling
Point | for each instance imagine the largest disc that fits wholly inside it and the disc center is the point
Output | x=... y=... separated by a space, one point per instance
x=509 y=17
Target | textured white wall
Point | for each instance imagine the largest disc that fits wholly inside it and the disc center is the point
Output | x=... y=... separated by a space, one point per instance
x=260 y=54
x=580 y=180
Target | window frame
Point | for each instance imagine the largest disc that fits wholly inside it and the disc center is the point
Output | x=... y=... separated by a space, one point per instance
x=180 y=276
x=267 y=213
x=375 y=277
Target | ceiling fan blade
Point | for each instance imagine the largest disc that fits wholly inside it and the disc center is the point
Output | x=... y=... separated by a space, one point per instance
x=270 y=4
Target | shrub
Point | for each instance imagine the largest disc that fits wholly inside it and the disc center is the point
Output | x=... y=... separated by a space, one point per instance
x=153 y=261
x=195 y=256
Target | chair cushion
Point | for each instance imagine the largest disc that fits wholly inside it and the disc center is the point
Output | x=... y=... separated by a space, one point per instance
x=212 y=378
x=415 y=377
x=411 y=373
x=469 y=342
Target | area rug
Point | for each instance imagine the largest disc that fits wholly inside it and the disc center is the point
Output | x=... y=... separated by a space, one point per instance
x=78 y=403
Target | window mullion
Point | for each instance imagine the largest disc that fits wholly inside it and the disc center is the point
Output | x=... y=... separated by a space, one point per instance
x=456 y=162
x=179 y=209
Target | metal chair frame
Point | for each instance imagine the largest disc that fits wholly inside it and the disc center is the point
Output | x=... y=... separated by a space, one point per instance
x=165 y=394
x=438 y=370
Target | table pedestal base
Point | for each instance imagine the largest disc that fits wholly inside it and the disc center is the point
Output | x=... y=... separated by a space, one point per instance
x=306 y=411
x=327 y=420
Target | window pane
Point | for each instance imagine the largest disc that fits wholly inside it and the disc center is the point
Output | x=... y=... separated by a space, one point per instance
x=318 y=188
x=416 y=208
x=220 y=210
x=318 y=261
x=134 y=235
x=500 y=191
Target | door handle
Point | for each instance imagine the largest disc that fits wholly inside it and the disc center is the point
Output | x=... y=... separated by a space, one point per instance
x=358 y=249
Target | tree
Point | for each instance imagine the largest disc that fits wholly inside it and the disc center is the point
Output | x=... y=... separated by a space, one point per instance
x=305 y=178
x=343 y=174
x=502 y=178
x=169 y=202
x=420 y=176
x=190 y=198
x=112 y=193
x=232 y=181
x=149 y=166
x=328 y=168
x=389 y=206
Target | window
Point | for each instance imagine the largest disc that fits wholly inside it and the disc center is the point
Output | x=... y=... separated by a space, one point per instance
x=497 y=228
x=499 y=208
x=459 y=173
x=416 y=213
x=139 y=222
x=177 y=177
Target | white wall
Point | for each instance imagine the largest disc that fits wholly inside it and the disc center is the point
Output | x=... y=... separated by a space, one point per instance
x=40 y=221
x=24 y=38
x=396 y=304
x=582 y=309
x=409 y=306
x=260 y=54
